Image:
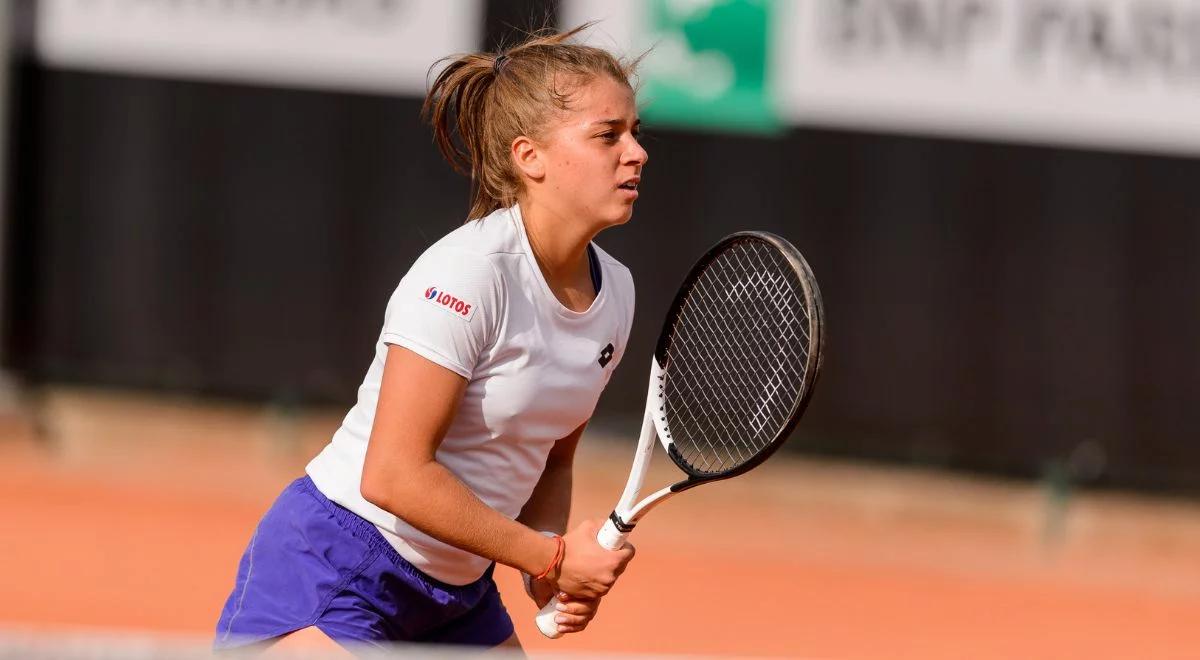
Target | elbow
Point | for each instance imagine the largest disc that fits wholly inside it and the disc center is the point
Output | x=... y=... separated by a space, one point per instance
x=371 y=490
x=377 y=488
x=391 y=490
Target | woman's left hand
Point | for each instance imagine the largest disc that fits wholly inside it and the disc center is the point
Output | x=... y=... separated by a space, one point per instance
x=539 y=590
x=574 y=614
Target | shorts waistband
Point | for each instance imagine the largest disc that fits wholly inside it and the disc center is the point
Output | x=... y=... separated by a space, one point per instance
x=365 y=530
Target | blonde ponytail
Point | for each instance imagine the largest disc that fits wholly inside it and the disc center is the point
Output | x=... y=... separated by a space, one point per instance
x=487 y=100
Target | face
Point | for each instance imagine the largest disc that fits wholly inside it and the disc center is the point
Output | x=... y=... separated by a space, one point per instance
x=589 y=159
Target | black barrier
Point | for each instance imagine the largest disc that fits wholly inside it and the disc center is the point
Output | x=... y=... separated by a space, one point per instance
x=989 y=306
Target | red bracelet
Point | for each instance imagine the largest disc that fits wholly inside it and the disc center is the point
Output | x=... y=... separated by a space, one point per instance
x=558 y=557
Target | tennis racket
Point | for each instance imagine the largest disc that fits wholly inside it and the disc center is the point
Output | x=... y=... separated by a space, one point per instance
x=733 y=370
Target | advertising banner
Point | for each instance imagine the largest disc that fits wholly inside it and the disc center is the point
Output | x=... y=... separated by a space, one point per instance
x=1106 y=73
x=706 y=64
x=380 y=46
x=1111 y=73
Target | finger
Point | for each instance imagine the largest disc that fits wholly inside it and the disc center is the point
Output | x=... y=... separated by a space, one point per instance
x=578 y=607
x=570 y=629
x=585 y=592
x=596 y=590
x=571 y=619
x=581 y=595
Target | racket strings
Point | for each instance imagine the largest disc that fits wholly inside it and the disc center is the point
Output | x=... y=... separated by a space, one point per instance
x=738 y=357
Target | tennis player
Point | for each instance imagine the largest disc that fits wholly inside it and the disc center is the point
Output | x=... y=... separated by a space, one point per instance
x=494 y=349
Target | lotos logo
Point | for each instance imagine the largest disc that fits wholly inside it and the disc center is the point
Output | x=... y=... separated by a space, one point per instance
x=449 y=303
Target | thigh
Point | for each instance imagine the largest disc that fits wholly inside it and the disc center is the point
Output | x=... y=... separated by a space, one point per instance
x=307 y=640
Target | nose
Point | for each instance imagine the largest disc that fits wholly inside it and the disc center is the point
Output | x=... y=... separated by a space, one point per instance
x=635 y=154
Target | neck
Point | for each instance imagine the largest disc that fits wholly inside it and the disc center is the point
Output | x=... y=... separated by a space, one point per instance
x=559 y=242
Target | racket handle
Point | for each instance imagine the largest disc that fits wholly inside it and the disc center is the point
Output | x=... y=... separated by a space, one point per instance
x=610 y=538
x=545 y=619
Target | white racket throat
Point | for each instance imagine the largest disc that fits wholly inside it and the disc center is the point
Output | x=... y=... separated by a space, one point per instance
x=629 y=509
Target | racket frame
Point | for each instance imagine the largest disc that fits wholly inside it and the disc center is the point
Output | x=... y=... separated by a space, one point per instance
x=816 y=326
x=630 y=509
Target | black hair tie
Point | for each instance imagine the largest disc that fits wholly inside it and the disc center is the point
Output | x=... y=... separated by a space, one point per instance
x=499 y=63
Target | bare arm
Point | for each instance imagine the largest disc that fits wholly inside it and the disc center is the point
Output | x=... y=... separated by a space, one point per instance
x=548 y=509
x=549 y=506
x=417 y=400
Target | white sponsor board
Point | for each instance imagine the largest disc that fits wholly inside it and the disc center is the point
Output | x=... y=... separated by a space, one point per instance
x=381 y=46
x=620 y=25
x=1112 y=73
x=1122 y=74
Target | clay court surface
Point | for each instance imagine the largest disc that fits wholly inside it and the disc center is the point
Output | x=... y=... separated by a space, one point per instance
x=128 y=513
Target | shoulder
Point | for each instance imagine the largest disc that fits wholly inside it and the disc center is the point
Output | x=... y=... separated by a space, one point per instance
x=615 y=269
x=479 y=240
x=462 y=267
x=619 y=282
x=469 y=254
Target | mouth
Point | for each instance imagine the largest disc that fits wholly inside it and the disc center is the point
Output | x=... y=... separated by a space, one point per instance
x=631 y=184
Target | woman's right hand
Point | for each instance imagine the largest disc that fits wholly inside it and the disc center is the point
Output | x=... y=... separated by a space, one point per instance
x=588 y=569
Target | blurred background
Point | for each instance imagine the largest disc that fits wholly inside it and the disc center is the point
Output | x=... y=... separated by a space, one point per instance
x=208 y=202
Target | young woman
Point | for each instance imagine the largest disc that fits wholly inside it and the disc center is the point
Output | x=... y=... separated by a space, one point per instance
x=494 y=349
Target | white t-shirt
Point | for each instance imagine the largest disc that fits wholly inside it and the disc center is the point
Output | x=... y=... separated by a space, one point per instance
x=476 y=303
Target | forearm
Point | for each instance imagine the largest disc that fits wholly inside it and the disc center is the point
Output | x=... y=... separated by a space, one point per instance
x=430 y=498
x=549 y=506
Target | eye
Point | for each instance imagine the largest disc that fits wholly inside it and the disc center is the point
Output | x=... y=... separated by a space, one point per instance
x=609 y=136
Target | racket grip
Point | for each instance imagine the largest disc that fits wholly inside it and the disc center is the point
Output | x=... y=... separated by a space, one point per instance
x=545 y=619
x=610 y=538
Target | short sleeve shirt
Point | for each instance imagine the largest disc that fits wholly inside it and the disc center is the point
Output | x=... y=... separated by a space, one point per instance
x=477 y=304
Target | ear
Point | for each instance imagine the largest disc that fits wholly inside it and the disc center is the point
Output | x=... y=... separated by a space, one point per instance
x=527 y=156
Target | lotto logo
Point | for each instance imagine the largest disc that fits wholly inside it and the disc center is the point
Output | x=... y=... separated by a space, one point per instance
x=606 y=356
x=449 y=303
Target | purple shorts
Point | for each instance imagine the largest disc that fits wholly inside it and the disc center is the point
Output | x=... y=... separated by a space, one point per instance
x=314 y=563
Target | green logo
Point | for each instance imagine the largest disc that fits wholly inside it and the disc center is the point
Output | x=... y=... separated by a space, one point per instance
x=708 y=66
